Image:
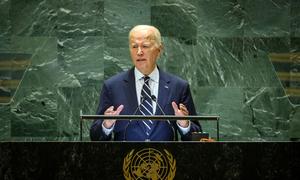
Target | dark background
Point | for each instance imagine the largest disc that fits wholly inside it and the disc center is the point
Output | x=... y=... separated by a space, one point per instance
x=259 y=160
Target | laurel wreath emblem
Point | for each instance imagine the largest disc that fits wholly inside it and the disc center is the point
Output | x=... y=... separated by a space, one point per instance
x=172 y=163
x=127 y=163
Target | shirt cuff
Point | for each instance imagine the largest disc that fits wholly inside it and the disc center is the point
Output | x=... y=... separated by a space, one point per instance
x=184 y=130
x=107 y=131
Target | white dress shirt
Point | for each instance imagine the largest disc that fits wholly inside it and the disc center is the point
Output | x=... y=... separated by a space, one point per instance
x=153 y=83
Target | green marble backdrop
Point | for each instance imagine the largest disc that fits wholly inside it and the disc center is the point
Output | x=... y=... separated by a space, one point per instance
x=241 y=58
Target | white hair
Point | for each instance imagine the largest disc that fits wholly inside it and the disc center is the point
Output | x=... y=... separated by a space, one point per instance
x=156 y=33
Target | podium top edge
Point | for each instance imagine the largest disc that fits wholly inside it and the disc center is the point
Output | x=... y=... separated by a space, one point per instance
x=154 y=117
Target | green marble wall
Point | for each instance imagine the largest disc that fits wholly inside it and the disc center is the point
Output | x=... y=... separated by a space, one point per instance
x=224 y=48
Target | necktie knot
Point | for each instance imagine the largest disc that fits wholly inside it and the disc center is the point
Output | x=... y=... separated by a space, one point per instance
x=146 y=79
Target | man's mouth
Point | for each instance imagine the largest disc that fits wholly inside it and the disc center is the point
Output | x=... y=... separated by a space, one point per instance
x=139 y=60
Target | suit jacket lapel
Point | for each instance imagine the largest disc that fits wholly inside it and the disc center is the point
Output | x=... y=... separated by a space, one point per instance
x=163 y=95
x=130 y=91
x=163 y=92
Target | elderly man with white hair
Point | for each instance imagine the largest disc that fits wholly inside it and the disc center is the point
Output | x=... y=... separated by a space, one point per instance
x=144 y=90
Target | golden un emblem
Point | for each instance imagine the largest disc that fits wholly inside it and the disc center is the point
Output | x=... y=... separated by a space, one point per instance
x=149 y=163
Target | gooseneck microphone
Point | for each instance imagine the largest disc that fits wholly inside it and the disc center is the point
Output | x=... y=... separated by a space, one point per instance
x=153 y=97
x=155 y=100
x=139 y=106
x=134 y=113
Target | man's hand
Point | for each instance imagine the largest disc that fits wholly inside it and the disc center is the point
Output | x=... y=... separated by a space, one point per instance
x=108 y=123
x=181 y=111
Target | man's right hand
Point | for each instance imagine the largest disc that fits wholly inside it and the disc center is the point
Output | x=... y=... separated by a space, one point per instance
x=108 y=123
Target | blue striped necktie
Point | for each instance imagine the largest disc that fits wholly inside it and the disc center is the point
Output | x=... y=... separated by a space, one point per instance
x=146 y=107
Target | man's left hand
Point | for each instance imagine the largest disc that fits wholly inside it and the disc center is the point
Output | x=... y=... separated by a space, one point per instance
x=181 y=111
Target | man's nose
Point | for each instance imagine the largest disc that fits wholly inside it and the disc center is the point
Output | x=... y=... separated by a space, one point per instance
x=139 y=52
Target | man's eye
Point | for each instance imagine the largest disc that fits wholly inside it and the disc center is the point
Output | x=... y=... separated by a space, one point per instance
x=134 y=46
x=145 y=46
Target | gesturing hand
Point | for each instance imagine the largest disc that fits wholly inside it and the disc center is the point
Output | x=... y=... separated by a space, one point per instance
x=108 y=123
x=181 y=111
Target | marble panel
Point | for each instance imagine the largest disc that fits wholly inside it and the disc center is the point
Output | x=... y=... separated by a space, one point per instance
x=227 y=102
x=294 y=82
x=266 y=18
x=223 y=48
x=268 y=44
x=212 y=62
x=43 y=50
x=295 y=18
x=35 y=113
x=259 y=69
x=45 y=69
x=72 y=101
x=80 y=18
x=219 y=18
x=5 y=25
x=82 y=57
x=116 y=61
x=120 y=17
x=176 y=20
x=12 y=68
x=33 y=18
x=295 y=45
x=268 y=109
x=294 y=132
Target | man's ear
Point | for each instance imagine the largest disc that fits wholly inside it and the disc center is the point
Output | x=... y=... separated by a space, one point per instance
x=161 y=49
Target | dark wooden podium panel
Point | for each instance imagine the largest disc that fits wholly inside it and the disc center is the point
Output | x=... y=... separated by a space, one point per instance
x=117 y=160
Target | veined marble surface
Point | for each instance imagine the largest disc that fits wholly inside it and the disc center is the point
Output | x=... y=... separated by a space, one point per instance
x=241 y=59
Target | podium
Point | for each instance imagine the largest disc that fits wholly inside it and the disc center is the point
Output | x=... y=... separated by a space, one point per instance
x=153 y=118
x=122 y=160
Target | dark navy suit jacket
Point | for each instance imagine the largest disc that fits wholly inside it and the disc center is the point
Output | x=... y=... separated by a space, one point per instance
x=120 y=89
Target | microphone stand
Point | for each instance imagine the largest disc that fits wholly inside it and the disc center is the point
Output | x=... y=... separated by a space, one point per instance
x=155 y=100
x=134 y=113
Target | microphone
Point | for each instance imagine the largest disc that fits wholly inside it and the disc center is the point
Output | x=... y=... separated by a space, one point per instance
x=134 y=113
x=139 y=106
x=153 y=97
x=155 y=100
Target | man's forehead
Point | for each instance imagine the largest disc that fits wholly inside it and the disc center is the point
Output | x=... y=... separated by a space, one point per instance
x=144 y=39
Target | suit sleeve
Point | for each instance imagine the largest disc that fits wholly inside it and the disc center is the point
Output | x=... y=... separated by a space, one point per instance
x=96 y=131
x=187 y=100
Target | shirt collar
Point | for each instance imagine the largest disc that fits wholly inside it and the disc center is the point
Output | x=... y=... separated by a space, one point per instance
x=154 y=75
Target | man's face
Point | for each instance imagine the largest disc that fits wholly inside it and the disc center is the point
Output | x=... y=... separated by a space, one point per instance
x=143 y=50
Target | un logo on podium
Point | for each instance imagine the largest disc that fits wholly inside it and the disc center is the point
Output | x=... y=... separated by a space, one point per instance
x=149 y=163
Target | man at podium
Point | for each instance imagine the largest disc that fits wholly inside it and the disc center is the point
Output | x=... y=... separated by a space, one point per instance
x=144 y=90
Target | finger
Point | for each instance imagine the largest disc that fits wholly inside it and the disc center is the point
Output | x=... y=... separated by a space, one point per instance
x=175 y=107
x=110 y=109
x=119 y=109
x=185 y=113
x=182 y=107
